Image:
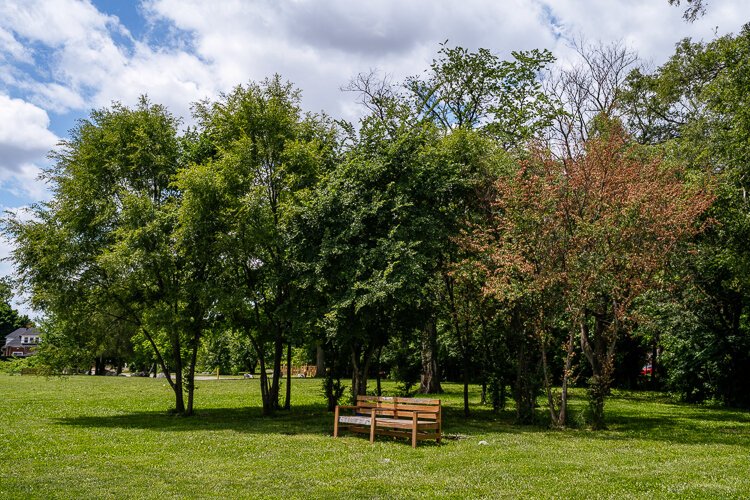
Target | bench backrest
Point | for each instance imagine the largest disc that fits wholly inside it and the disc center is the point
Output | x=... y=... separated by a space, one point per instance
x=395 y=407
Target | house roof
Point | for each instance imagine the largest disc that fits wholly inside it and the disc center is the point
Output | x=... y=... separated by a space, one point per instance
x=13 y=339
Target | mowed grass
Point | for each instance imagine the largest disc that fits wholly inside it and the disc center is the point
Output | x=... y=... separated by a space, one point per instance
x=111 y=437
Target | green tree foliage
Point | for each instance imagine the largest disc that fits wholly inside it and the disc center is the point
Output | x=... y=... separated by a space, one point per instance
x=114 y=246
x=10 y=318
x=263 y=158
x=478 y=90
x=482 y=105
x=696 y=106
x=369 y=226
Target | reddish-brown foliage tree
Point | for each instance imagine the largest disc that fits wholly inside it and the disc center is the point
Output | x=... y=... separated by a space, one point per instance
x=580 y=239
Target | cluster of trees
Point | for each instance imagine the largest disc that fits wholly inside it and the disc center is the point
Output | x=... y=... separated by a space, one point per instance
x=493 y=221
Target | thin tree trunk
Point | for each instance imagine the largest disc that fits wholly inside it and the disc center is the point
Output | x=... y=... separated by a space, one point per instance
x=567 y=374
x=177 y=355
x=377 y=377
x=599 y=351
x=654 y=364
x=553 y=415
x=320 y=361
x=278 y=350
x=191 y=370
x=288 y=398
x=360 y=372
x=430 y=377
x=463 y=342
x=466 y=386
x=265 y=388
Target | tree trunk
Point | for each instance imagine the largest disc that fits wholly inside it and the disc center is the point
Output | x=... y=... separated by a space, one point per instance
x=264 y=387
x=99 y=366
x=462 y=337
x=599 y=350
x=273 y=393
x=466 y=385
x=288 y=398
x=320 y=361
x=377 y=368
x=524 y=392
x=191 y=370
x=655 y=368
x=430 y=378
x=360 y=371
x=177 y=356
x=567 y=374
x=266 y=394
x=558 y=410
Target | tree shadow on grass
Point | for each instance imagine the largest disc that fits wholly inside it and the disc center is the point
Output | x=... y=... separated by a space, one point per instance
x=687 y=425
x=681 y=424
x=300 y=420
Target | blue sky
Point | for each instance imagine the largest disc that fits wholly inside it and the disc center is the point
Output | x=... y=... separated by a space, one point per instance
x=61 y=58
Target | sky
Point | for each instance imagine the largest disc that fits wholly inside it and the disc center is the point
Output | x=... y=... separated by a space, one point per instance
x=59 y=59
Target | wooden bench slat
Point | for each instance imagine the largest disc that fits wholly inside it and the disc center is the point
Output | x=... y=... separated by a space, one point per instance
x=389 y=399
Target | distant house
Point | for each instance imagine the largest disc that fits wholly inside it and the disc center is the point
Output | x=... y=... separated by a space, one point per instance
x=22 y=342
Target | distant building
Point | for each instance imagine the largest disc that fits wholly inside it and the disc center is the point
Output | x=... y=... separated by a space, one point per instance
x=22 y=342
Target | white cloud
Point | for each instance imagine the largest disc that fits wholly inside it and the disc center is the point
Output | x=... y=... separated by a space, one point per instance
x=24 y=182
x=52 y=96
x=318 y=46
x=10 y=48
x=175 y=79
x=321 y=46
x=24 y=132
x=25 y=140
x=78 y=52
x=55 y=22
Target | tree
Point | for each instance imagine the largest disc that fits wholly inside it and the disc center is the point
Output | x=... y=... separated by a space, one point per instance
x=264 y=159
x=478 y=102
x=115 y=242
x=594 y=231
x=695 y=105
x=592 y=87
x=363 y=227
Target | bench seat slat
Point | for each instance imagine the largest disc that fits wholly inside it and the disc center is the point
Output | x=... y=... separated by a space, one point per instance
x=403 y=423
x=354 y=419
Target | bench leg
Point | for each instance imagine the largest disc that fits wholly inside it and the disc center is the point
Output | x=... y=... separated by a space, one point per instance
x=336 y=422
x=414 y=431
x=372 y=426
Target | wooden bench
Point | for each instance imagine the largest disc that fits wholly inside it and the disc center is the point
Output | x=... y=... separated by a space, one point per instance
x=415 y=418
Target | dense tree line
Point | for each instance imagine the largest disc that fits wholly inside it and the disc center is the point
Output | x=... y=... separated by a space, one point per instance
x=500 y=222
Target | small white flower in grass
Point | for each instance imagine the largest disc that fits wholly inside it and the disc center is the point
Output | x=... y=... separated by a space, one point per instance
x=483 y=443
x=386 y=460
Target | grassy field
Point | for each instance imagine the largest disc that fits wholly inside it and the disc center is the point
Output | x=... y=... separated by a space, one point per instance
x=110 y=437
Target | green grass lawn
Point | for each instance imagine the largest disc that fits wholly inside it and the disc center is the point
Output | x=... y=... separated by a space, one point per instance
x=110 y=437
